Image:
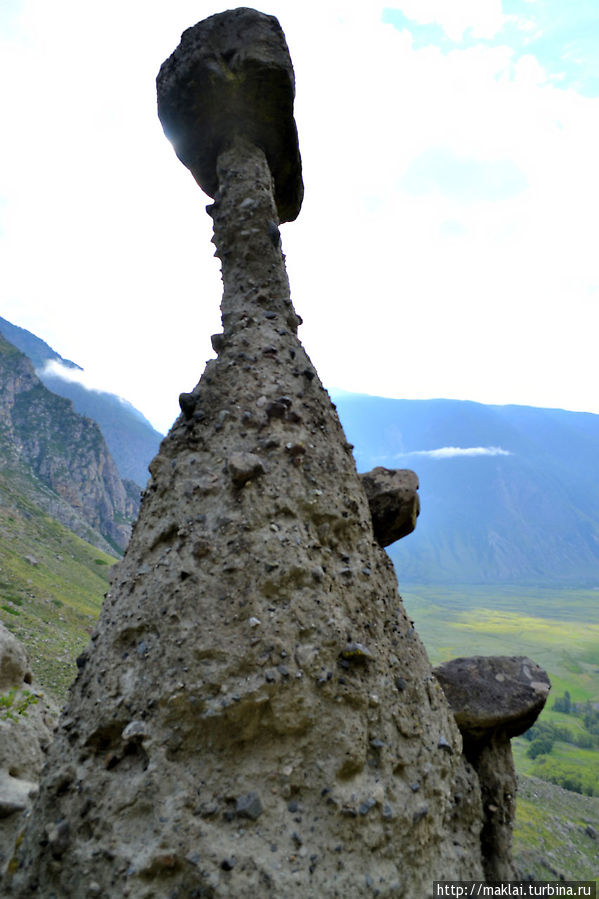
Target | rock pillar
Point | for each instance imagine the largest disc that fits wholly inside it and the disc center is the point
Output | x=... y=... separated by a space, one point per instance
x=254 y=714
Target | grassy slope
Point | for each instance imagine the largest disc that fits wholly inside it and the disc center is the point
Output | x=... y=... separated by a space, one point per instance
x=51 y=600
x=560 y=630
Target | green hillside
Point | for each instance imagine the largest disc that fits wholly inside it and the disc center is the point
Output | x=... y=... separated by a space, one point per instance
x=51 y=584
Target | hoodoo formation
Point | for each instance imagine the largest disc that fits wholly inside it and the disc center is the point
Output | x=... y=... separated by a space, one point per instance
x=255 y=714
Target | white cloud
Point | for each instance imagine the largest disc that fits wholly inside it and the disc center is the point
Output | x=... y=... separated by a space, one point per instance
x=449 y=452
x=56 y=369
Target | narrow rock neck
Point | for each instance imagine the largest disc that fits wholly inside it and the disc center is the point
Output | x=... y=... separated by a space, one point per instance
x=247 y=239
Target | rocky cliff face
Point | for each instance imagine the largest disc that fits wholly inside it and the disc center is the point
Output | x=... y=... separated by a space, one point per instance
x=65 y=451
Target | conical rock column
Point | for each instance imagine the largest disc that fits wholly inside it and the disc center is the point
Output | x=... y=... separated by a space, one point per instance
x=255 y=713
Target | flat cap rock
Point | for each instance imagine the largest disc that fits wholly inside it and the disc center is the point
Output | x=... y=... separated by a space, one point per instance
x=490 y=694
x=392 y=495
x=231 y=76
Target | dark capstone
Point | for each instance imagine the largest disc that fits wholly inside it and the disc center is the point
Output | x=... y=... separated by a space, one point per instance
x=187 y=402
x=230 y=76
x=82 y=660
x=401 y=684
x=490 y=694
x=249 y=806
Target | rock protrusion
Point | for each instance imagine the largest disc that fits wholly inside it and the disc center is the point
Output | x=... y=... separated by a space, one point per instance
x=394 y=502
x=494 y=698
x=231 y=76
x=27 y=718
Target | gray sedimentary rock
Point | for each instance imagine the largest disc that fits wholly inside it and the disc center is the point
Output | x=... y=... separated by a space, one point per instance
x=254 y=709
x=26 y=722
x=494 y=698
x=394 y=502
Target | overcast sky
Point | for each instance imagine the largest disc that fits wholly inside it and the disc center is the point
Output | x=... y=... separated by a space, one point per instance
x=448 y=242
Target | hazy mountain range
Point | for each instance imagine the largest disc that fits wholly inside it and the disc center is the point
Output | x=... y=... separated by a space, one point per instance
x=509 y=494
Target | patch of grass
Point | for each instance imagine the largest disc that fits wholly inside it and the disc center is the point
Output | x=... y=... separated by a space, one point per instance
x=16 y=703
x=550 y=836
x=58 y=598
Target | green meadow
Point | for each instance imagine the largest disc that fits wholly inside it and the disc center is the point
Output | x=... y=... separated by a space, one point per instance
x=51 y=587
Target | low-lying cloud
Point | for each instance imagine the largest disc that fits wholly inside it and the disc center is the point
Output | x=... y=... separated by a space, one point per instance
x=448 y=452
x=53 y=368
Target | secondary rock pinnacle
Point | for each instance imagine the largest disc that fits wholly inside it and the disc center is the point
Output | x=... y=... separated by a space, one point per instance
x=255 y=714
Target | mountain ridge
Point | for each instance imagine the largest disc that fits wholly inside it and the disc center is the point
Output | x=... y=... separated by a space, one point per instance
x=132 y=440
x=59 y=458
x=522 y=509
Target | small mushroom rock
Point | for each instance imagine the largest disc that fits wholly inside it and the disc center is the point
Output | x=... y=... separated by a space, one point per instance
x=392 y=495
x=494 y=698
x=493 y=693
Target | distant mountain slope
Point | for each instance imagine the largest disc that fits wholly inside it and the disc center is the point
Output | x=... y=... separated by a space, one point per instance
x=59 y=459
x=510 y=494
x=51 y=581
x=130 y=437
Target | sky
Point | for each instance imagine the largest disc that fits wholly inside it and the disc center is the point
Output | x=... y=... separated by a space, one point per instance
x=447 y=244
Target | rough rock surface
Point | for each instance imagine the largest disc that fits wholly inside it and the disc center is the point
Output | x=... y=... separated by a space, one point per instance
x=26 y=722
x=231 y=74
x=255 y=714
x=394 y=502
x=494 y=698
